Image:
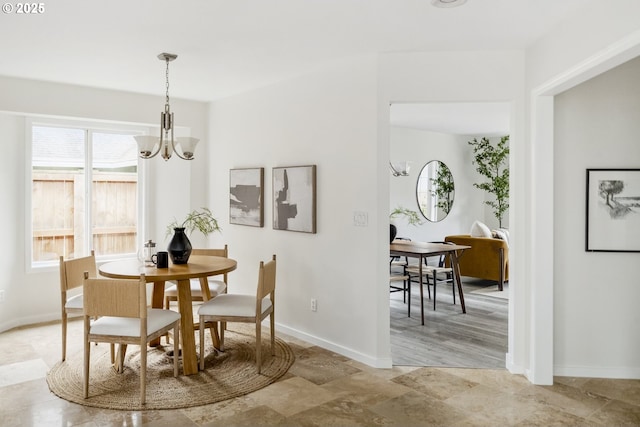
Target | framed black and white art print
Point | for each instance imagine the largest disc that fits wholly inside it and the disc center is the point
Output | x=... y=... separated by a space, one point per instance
x=294 y=198
x=246 y=196
x=613 y=210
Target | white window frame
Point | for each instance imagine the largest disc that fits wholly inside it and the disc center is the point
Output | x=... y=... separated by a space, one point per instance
x=90 y=126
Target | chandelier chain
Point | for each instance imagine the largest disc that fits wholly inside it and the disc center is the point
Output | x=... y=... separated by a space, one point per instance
x=167 y=84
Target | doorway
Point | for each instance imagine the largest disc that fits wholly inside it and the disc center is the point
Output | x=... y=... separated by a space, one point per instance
x=421 y=133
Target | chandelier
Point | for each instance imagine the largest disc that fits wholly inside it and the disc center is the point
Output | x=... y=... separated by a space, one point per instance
x=150 y=146
x=400 y=168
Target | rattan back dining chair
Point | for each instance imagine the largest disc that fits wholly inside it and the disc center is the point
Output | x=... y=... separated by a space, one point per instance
x=71 y=277
x=122 y=317
x=216 y=287
x=244 y=308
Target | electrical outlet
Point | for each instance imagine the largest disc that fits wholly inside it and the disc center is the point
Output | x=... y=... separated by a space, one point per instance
x=2 y=296
x=314 y=304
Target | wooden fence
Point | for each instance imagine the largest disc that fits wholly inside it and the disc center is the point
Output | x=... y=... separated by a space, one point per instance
x=58 y=214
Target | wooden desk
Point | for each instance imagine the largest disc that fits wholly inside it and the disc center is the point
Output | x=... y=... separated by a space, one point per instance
x=199 y=266
x=423 y=250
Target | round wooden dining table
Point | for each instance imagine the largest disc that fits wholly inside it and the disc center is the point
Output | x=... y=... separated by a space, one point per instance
x=199 y=266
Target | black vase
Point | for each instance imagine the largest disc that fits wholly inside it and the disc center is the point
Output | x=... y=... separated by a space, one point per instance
x=392 y=232
x=179 y=247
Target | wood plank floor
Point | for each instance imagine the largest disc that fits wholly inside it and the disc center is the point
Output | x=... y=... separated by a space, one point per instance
x=449 y=338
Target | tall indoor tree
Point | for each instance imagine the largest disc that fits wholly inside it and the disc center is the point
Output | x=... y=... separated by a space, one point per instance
x=492 y=162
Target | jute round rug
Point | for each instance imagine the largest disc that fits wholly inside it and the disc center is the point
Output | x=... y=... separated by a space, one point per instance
x=226 y=375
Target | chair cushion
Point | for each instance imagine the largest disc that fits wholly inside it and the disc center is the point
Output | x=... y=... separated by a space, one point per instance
x=233 y=305
x=130 y=327
x=74 y=303
x=216 y=287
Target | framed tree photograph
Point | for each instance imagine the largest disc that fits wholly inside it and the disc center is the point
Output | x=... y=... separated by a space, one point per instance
x=613 y=210
x=246 y=196
x=294 y=198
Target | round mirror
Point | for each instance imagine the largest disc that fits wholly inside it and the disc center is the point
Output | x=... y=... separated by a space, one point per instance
x=435 y=191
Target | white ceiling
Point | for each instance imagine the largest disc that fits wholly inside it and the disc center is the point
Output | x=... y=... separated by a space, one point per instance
x=226 y=47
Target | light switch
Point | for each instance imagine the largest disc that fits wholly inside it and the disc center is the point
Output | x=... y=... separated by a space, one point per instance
x=360 y=219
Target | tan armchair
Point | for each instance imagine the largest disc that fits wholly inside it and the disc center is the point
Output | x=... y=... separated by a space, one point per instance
x=487 y=259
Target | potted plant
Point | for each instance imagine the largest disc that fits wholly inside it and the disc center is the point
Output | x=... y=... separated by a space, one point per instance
x=492 y=163
x=180 y=247
x=412 y=218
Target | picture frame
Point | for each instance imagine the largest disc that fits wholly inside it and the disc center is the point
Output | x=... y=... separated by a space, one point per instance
x=246 y=196
x=294 y=198
x=613 y=210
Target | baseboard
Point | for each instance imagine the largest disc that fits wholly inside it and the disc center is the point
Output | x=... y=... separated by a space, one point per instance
x=617 y=372
x=30 y=320
x=385 y=363
x=513 y=367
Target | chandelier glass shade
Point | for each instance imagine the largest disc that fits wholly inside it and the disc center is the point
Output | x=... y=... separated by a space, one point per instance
x=400 y=168
x=167 y=144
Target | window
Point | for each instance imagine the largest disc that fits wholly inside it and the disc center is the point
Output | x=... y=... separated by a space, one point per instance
x=84 y=192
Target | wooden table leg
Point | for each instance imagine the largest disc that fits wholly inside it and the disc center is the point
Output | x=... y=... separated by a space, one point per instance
x=122 y=351
x=456 y=272
x=189 y=357
x=157 y=301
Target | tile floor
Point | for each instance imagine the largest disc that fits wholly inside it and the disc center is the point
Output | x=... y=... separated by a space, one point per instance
x=323 y=388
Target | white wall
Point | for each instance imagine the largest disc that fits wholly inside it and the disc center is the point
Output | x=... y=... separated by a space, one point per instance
x=421 y=147
x=327 y=118
x=170 y=192
x=583 y=46
x=596 y=126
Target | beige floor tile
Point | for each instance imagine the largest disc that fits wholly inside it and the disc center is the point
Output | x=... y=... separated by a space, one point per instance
x=211 y=414
x=416 y=409
x=323 y=388
x=624 y=390
x=435 y=383
x=364 y=388
x=321 y=366
x=387 y=373
x=566 y=398
x=339 y=413
x=499 y=379
x=257 y=416
x=19 y=372
x=553 y=417
x=51 y=412
x=617 y=413
x=503 y=408
x=291 y=396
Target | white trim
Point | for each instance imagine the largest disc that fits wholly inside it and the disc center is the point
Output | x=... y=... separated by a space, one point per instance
x=623 y=372
x=541 y=283
x=511 y=366
x=541 y=233
x=336 y=348
x=28 y=180
x=608 y=58
x=29 y=320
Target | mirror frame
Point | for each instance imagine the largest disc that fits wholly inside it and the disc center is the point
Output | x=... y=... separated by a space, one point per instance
x=441 y=212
